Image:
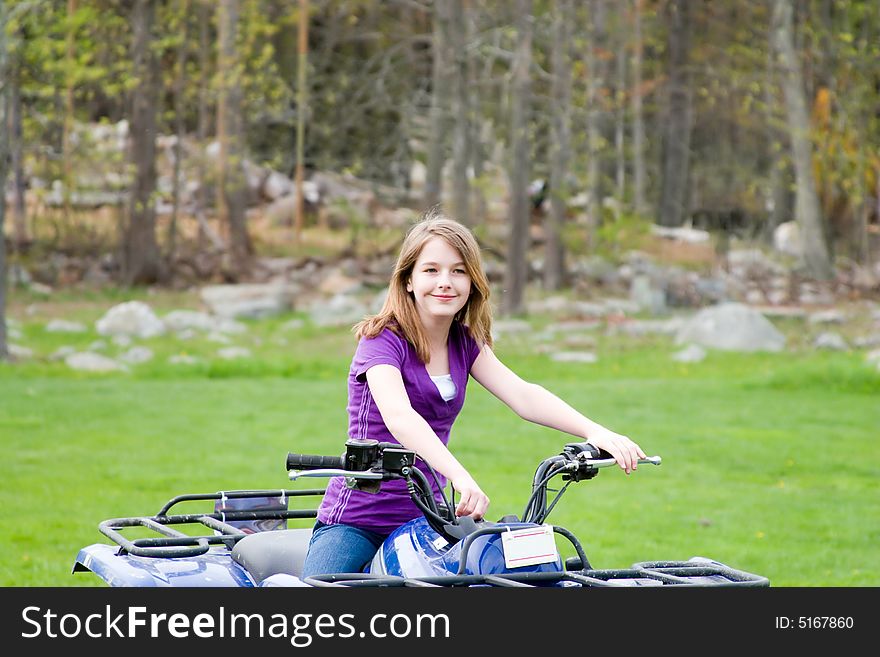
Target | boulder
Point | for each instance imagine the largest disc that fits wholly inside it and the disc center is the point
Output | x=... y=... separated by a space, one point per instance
x=133 y=318
x=731 y=327
x=89 y=362
x=248 y=300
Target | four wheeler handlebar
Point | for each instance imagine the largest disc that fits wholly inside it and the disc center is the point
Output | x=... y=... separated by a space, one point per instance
x=366 y=463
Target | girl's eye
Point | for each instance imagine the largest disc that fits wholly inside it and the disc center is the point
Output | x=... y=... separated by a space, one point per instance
x=460 y=271
x=430 y=270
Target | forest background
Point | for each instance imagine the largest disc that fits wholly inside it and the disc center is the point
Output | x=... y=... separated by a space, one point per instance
x=148 y=149
x=149 y=134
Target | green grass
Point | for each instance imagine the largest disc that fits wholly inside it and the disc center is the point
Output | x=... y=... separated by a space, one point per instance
x=771 y=462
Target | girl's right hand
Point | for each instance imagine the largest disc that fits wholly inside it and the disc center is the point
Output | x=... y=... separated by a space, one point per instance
x=473 y=501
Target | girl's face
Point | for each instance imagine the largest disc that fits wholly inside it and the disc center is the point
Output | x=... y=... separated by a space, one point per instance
x=439 y=282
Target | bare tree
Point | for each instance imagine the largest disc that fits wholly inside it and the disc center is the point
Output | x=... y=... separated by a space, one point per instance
x=675 y=167
x=232 y=189
x=202 y=124
x=4 y=156
x=560 y=148
x=594 y=111
x=20 y=237
x=179 y=88
x=620 y=110
x=638 y=122
x=809 y=215
x=140 y=251
x=516 y=273
x=460 y=110
x=301 y=110
x=436 y=148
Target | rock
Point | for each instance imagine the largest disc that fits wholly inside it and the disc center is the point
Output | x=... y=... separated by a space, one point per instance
x=178 y=320
x=503 y=326
x=64 y=326
x=335 y=282
x=691 y=354
x=137 y=355
x=230 y=353
x=867 y=341
x=41 y=289
x=647 y=295
x=89 y=362
x=338 y=311
x=573 y=326
x=182 y=359
x=620 y=306
x=648 y=326
x=181 y=320
x=249 y=300
x=18 y=352
x=731 y=327
x=754 y=297
x=830 y=340
x=62 y=352
x=787 y=239
x=276 y=184
x=683 y=234
x=574 y=357
x=216 y=336
x=132 y=318
x=832 y=316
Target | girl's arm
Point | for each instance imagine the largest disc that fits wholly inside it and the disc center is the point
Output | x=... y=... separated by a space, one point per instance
x=536 y=404
x=413 y=432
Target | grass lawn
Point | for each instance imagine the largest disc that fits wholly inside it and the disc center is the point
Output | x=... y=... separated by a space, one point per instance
x=771 y=462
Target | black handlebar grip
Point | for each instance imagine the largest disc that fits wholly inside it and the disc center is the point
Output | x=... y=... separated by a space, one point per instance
x=314 y=462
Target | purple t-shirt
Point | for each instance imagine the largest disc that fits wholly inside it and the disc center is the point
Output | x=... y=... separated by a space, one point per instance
x=391 y=507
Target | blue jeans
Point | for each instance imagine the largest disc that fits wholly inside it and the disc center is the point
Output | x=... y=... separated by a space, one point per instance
x=340 y=549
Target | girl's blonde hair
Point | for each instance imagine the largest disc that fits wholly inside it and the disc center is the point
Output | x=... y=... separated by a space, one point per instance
x=399 y=310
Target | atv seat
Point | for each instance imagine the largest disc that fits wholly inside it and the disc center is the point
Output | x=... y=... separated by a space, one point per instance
x=269 y=553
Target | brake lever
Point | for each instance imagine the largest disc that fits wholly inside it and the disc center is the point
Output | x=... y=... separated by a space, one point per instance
x=604 y=463
x=333 y=472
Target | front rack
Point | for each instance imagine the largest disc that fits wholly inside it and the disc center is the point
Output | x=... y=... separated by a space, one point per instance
x=696 y=572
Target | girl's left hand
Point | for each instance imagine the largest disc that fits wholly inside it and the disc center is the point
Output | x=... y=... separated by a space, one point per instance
x=625 y=451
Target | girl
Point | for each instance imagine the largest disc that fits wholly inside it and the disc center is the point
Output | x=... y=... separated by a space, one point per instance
x=407 y=384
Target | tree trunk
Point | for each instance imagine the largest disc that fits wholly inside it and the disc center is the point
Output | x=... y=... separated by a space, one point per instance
x=807 y=209
x=4 y=159
x=179 y=82
x=436 y=155
x=476 y=147
x=620 y=114
x=301 y=111
x=594 y=80
x=675 y=167
x=20 y=237
x=67 y=124
x=638 y=126
x=781 y=177
x=205 y=231
x=140 y=250
x=461 y=111
x=233 y=183
x=516 y=273
x=560 y=149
